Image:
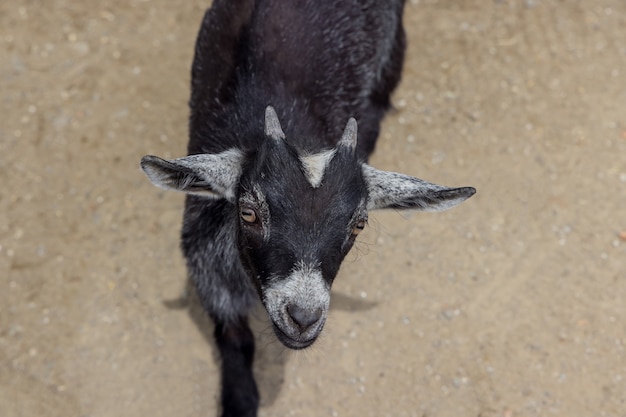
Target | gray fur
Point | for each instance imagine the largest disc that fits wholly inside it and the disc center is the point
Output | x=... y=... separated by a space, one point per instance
x=209 y=175
x=394 y=190
x=304 y=286
x=224 y=299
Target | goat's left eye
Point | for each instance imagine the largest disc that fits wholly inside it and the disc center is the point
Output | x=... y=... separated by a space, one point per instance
x=248 y=215
x=358 y=227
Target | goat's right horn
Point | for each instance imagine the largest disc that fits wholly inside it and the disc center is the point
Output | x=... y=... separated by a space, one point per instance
x=349 y=137
x=272 y=125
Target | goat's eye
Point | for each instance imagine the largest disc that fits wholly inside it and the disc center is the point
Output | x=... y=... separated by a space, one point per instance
x=358 y=227
x=248 y=215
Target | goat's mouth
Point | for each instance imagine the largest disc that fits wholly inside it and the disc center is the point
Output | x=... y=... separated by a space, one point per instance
x=297 y=305
x=298 y=342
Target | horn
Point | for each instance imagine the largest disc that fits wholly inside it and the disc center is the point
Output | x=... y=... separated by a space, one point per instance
x=272 y=125
x=349 y=137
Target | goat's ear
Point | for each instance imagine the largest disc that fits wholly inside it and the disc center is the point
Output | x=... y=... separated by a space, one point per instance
x=208 y=175
x=399 y=191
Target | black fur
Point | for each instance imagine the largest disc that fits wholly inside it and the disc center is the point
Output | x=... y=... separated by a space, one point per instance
x=277 y=188
x=318 y=63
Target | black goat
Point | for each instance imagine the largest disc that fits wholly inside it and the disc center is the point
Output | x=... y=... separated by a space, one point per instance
x=273 y=208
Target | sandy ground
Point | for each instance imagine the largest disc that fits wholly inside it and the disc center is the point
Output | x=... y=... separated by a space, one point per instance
x=509 y=305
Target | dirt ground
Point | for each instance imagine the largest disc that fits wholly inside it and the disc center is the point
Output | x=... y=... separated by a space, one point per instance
x=510 y=305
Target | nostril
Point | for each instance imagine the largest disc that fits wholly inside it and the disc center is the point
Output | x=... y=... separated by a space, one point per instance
x=302 y=317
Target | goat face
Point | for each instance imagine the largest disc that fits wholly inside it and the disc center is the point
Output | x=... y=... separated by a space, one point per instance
x=299 y=215
x=298 y=218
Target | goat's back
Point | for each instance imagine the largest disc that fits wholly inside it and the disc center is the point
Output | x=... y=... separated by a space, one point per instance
x=317 y=62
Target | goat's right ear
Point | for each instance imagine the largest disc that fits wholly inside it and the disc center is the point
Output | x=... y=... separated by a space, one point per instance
x=208 y=175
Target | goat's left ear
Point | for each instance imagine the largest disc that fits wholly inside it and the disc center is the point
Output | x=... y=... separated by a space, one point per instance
x=399 y=191
x=208 y=175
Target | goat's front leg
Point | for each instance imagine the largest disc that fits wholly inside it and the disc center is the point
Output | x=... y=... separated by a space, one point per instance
x=240 y=397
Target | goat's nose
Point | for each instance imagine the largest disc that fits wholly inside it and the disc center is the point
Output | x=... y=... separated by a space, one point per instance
x=302 y=317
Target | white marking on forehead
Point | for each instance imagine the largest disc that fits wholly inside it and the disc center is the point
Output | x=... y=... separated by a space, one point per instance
x=315 y=165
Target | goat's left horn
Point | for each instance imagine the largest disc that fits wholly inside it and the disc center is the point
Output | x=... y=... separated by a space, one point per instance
x=349 y=136
x=272 y=125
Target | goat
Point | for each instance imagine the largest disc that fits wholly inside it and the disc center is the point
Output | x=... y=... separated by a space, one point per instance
x=277 y=189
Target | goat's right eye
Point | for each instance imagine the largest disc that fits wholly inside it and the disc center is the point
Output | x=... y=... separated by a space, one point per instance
x=248 y=215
